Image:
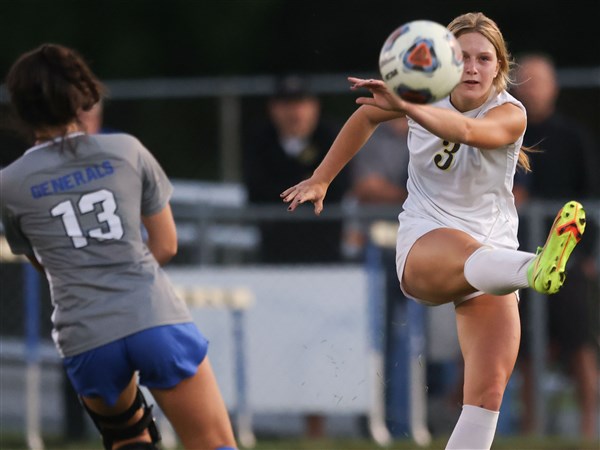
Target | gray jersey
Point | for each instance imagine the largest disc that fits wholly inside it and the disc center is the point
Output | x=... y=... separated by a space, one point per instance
x=77 y=205
x=384 y=154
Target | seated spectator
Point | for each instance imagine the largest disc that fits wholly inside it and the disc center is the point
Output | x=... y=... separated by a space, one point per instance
x=566 y=153
x=289 y=146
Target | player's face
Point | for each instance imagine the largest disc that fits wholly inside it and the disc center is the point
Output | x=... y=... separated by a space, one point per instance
x=481 y=67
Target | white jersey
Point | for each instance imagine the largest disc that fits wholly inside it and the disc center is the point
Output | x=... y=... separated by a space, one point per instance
x=463 y=187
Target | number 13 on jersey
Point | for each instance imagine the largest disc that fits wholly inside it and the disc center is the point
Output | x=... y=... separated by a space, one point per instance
x=110 y=223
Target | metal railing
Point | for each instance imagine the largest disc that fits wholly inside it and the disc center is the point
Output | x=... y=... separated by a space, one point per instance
x=230 y=91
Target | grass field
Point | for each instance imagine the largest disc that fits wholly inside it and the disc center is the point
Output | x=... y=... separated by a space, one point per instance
x=517 y=443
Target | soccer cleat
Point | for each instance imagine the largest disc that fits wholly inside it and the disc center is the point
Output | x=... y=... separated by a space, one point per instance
x=546 y=273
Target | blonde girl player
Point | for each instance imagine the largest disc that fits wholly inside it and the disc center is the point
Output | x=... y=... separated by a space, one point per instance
x=75 y=204
x=457 y=236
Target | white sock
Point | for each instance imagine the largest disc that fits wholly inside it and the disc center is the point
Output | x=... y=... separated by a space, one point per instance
x=497 y=271
x=474 y=430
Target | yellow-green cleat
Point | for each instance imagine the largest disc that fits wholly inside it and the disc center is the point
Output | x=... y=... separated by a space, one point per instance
x=546 y=273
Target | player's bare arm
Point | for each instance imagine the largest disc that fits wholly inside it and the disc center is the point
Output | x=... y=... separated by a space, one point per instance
x=162 y=235
x=501 y=125
x=353 y=135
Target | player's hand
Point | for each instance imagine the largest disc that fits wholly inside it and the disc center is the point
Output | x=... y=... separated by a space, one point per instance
x=382 y=97
x=305 y=191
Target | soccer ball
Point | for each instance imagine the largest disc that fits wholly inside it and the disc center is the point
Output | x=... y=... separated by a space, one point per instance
x=421 y=61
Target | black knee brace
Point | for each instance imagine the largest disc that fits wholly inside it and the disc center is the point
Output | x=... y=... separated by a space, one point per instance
x=113 y=428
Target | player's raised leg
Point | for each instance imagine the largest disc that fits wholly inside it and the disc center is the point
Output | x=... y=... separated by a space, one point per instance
x=501 y=271
x=546 y=274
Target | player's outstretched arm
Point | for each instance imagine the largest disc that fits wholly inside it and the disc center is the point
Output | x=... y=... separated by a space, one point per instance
x=500 y=126
x=353 y=135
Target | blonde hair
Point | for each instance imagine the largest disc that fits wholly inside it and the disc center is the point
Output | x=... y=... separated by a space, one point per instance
x=477 y=22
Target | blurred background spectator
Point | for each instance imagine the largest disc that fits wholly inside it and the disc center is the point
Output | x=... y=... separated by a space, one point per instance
x=287 y=149
x=565 y=168
x=378 y=177
x=380 y=169
x=379 y=173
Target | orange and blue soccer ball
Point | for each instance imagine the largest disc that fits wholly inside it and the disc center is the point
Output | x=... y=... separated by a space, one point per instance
x=421 y=61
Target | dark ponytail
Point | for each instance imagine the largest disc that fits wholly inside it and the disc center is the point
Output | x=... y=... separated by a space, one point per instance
x=49 y=85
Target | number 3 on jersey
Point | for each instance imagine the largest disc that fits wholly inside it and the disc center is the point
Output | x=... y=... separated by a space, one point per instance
x=443 y=160
x=113 y=228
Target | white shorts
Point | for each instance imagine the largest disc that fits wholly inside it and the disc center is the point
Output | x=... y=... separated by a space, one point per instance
x=410 y=229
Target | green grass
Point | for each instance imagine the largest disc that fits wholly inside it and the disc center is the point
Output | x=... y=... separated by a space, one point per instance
x=517 y=443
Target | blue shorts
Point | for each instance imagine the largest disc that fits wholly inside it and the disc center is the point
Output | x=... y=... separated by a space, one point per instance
x=163 y=356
